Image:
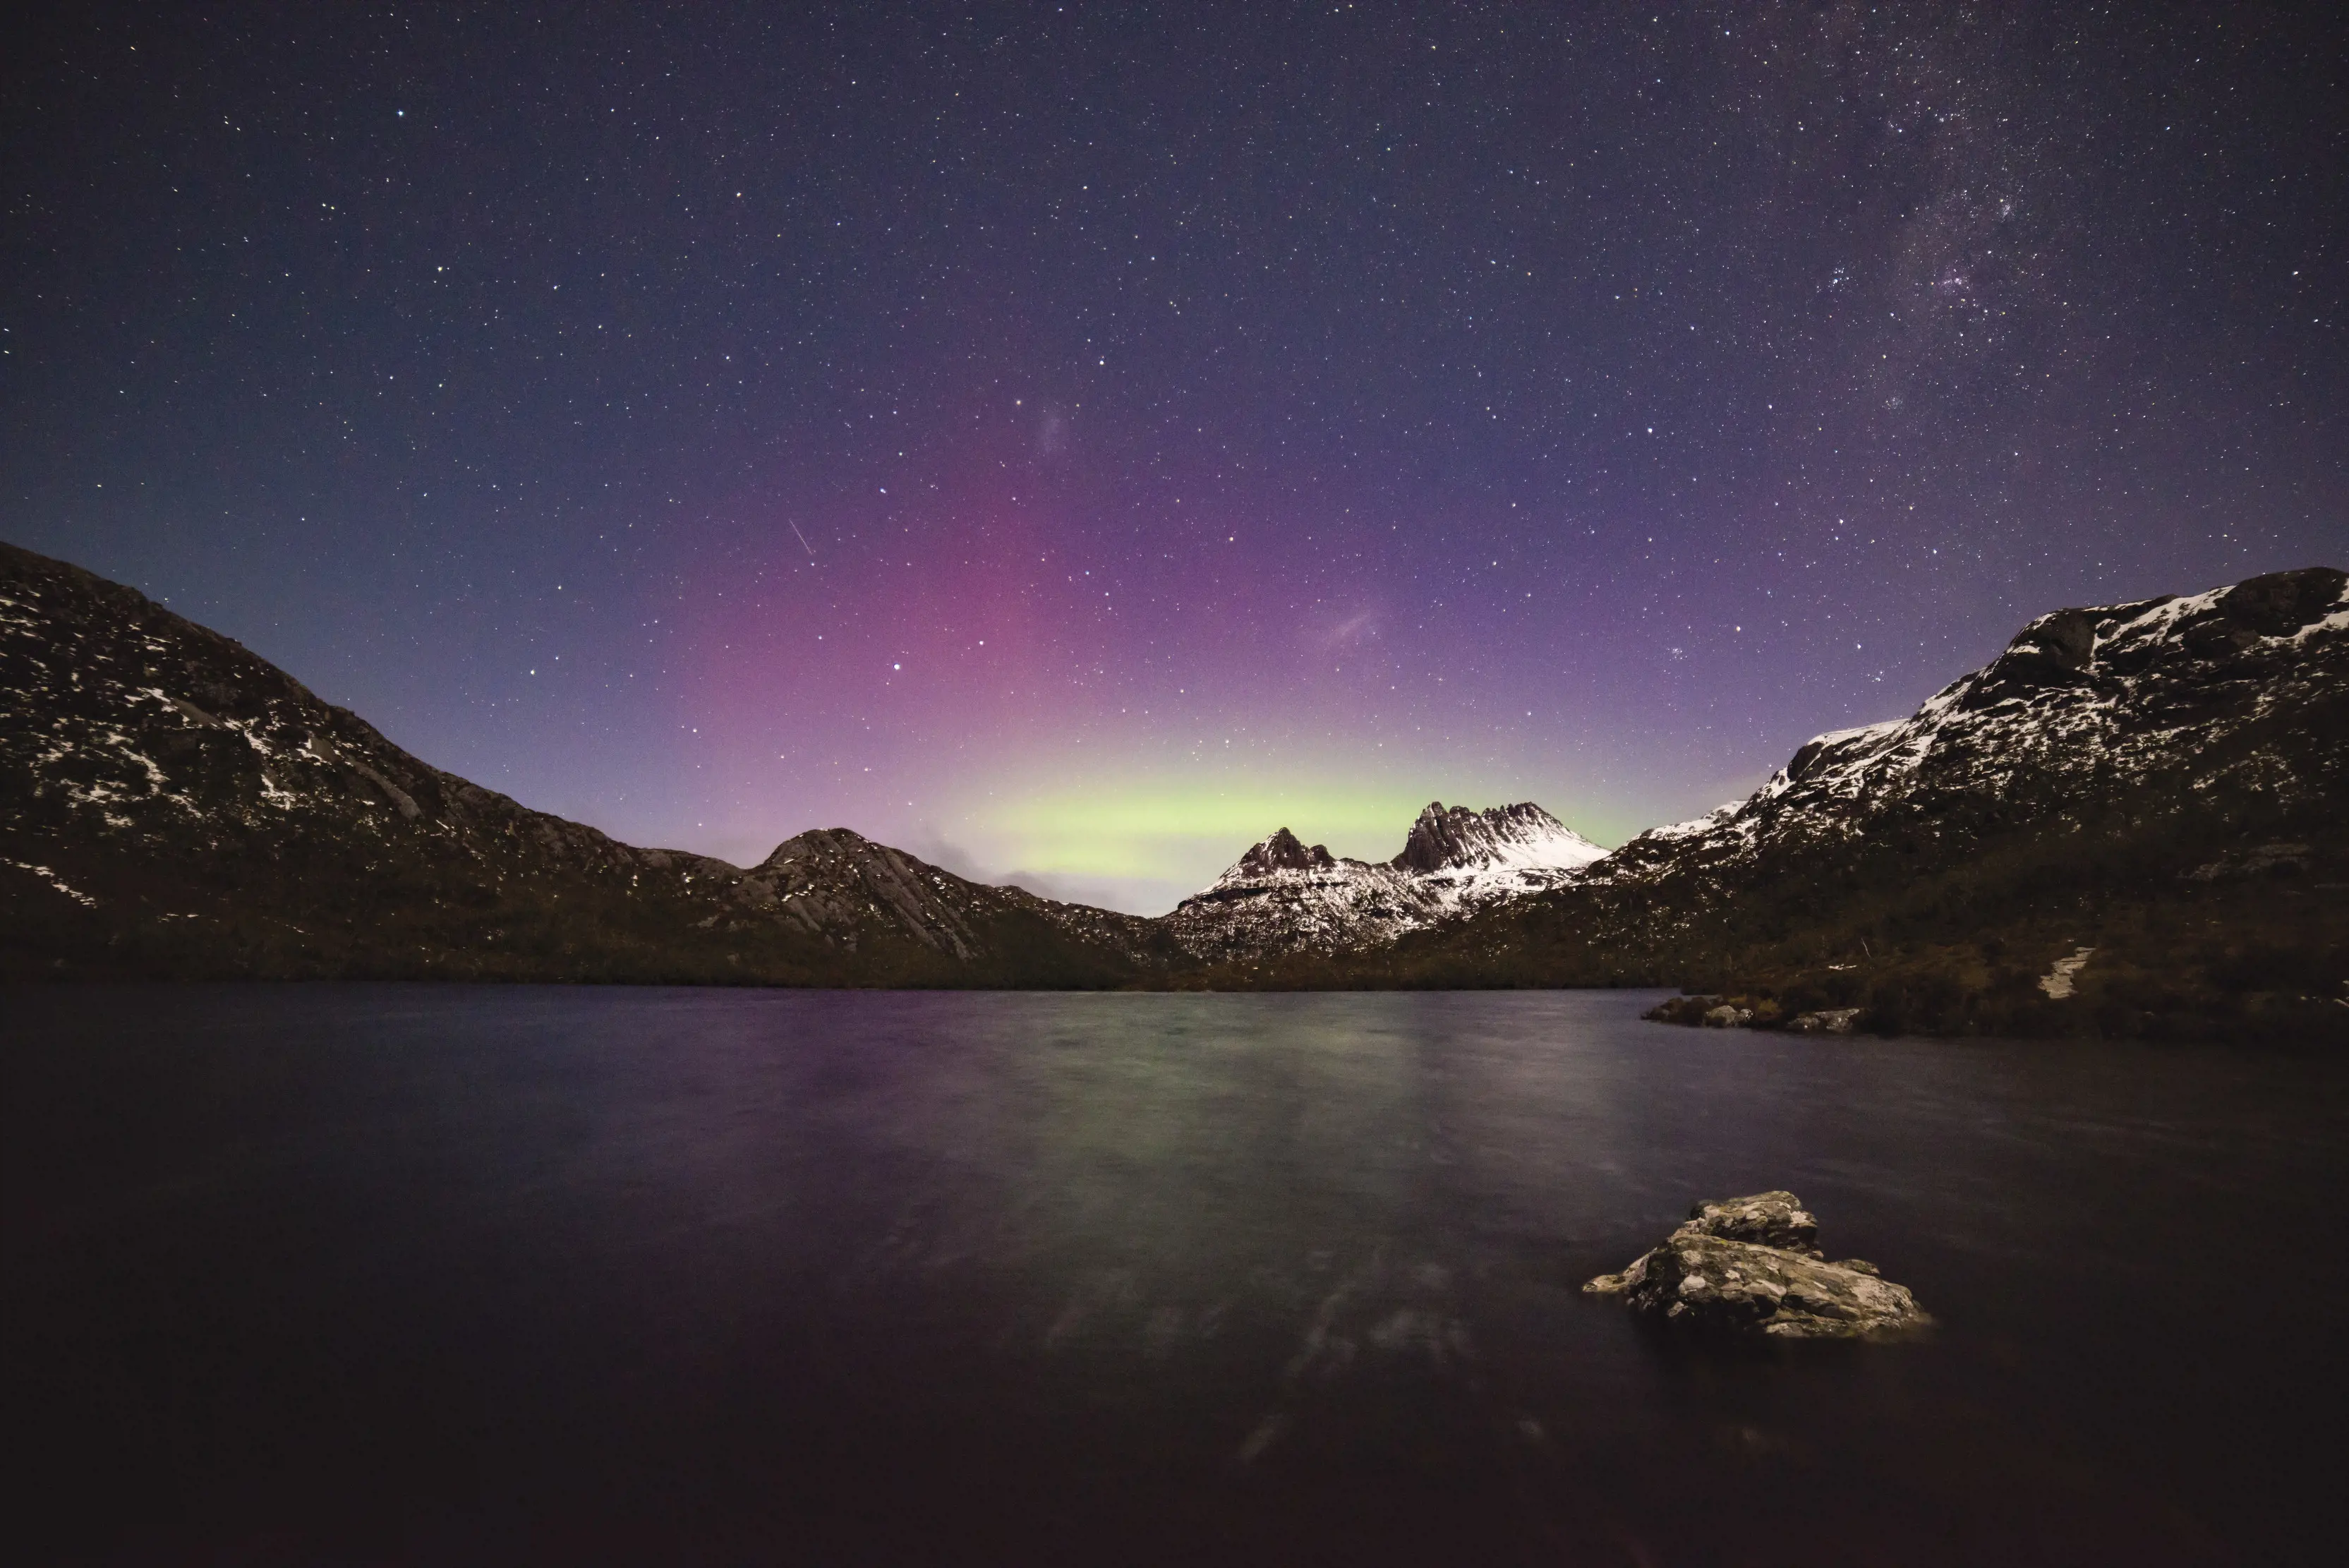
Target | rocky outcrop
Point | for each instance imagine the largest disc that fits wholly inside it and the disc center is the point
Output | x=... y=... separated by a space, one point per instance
x=1712 y=1013
x=1750 y=1012
x=1750 y=1266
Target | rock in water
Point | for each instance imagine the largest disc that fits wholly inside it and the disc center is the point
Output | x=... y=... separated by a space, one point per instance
x=1745 y=1265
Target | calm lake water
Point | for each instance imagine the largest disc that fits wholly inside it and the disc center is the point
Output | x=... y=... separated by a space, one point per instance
x=444 y=1274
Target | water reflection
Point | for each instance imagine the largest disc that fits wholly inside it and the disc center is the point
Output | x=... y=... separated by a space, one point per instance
x=416 y=1272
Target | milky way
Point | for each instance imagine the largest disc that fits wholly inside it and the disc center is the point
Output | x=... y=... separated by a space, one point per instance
x=1072 y=443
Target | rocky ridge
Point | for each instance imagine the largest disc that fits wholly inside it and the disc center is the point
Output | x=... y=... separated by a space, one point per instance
x=1285 y=897
x=2082 y=702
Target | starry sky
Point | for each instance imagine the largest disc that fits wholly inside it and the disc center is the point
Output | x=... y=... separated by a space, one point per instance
x=1071 y=441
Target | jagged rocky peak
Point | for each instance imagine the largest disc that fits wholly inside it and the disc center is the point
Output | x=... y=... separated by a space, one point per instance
x=1285 y=897
x=1284 y=851
x=1456 y=839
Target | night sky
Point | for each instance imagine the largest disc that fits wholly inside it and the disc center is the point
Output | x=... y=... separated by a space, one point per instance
x=1069 y=442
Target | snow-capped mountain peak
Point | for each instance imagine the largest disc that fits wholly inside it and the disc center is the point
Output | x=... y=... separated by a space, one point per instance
x=1284 y=894
x=1514 y=838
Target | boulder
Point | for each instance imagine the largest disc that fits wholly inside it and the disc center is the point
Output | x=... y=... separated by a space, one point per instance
x=1727 y=1016
x=1826 y=1021
x=1707 y=1275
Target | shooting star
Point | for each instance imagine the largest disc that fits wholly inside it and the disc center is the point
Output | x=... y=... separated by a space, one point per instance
x=803 y=544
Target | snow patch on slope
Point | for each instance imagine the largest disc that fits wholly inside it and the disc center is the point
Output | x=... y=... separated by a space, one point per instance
x=56 y=881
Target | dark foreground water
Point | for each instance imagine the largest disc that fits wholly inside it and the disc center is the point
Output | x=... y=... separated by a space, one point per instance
x=439 y=1275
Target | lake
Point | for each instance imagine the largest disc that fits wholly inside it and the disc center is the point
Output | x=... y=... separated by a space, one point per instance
x=453 y=1274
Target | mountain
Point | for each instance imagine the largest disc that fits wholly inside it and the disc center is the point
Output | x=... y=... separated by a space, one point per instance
x=171 y=804
x=1283 y=898
x=2085 y=710
x=2134 y=821
x=2161 y=786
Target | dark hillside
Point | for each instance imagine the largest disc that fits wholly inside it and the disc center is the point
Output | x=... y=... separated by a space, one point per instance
x=172 y=805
